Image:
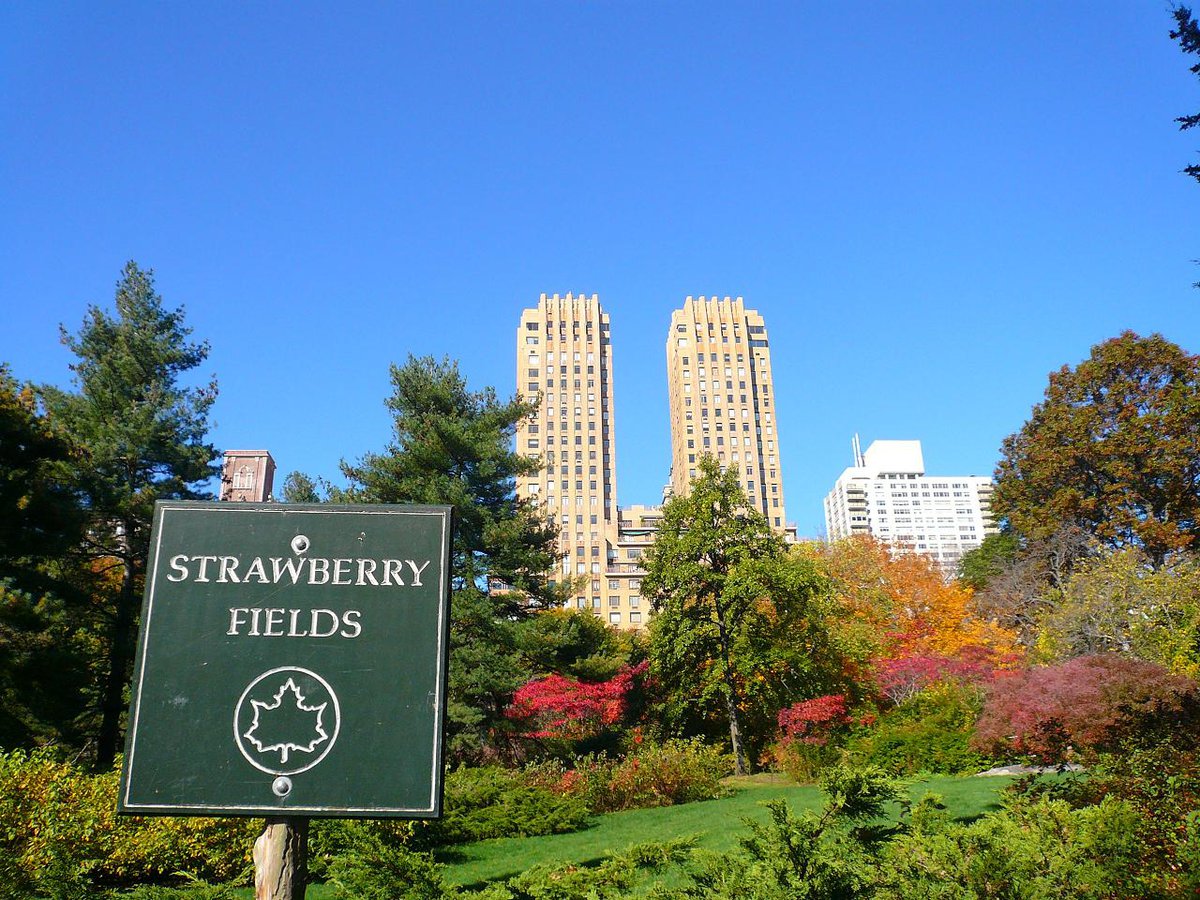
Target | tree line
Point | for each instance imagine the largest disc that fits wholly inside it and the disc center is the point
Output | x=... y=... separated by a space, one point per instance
x=1099 y=489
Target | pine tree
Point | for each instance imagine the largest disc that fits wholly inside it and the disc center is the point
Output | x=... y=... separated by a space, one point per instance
x=141 y=434
x=454 y=446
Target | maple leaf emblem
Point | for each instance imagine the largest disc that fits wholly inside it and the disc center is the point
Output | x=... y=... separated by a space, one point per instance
x=287 y=723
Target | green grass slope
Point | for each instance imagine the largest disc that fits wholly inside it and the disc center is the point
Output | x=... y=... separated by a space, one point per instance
x=715 y=824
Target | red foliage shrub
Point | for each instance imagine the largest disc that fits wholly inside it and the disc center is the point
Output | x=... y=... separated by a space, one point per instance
x=1088 y=703
x=563 y=708
x=902 y=678
x=811 y=721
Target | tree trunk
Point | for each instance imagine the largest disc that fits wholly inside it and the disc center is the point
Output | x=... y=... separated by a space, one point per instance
x=281 y=860
x=120 y=653
x=740 y=765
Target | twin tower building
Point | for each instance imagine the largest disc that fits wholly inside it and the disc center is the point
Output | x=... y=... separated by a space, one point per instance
x=722 y=402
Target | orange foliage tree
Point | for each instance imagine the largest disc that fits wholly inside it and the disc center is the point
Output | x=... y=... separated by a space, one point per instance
x=902 y=607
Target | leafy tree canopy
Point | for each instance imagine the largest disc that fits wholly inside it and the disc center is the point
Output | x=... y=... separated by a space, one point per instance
x=1114 y=449
x=701 y=608
x=301 y=488
x=40 y=516
x=1116 y=603
x=42 y=673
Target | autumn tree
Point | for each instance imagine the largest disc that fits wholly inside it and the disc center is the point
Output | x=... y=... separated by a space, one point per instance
x=904 y=601
x=1113 y=449
x=561 y=708
x=452 y=445
x=1117 y=603
x=1085 y=704
x=141 y=431
x=701 y=609
x=1021 y=582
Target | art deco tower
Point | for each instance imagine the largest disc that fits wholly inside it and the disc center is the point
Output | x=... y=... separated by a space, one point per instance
x=722 y=399
x=564 y=359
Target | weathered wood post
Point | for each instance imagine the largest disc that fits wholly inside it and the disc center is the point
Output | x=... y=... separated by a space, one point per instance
x=281 y=860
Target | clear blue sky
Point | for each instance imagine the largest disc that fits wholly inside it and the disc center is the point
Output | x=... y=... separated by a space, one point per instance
x=933 y=204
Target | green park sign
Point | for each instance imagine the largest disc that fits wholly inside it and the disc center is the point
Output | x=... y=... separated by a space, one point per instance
x=291 y=662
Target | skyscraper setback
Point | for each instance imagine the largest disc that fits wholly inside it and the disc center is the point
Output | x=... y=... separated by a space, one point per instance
x=564 y=359
x=719 y=382
x=720 y=390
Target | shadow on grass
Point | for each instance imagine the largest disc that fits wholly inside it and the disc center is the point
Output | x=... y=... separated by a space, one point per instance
x=453 y=854
x=501 y=877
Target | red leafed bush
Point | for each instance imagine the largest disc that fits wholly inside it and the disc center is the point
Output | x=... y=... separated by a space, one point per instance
x=811 y=721
x=902 y=678
x=563 y=708
x=1088 y=703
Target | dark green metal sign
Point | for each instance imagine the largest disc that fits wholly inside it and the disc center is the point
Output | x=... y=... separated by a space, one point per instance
x=291 y=661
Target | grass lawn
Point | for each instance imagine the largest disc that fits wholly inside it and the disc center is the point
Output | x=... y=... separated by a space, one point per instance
x=715 y=825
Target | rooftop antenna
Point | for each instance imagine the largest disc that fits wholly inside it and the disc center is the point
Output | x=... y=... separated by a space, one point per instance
x=857 y=448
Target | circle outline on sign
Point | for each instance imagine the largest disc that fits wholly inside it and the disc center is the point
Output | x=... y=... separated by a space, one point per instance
x=337 y=720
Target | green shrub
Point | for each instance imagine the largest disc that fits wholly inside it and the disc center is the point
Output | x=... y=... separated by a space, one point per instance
x=1161 y=783
x=331 y=838
x=1035 y=850
x=803 y=762
x=196 y=890
x=613 y=878
x=373 y=869
x=931 y=732
x=492 y=802
x=59 y=827
x=808 y=855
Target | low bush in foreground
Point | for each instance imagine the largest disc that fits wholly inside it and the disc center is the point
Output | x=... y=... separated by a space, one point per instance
x=59 y=825
x=494 y=802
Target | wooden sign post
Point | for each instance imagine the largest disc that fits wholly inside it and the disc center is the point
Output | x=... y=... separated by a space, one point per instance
x=281 y=860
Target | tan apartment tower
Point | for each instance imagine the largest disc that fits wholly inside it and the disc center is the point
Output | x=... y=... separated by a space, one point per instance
x=564 y=362
x=722 y=399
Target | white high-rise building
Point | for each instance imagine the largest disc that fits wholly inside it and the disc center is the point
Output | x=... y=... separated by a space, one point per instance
x=887 y=495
